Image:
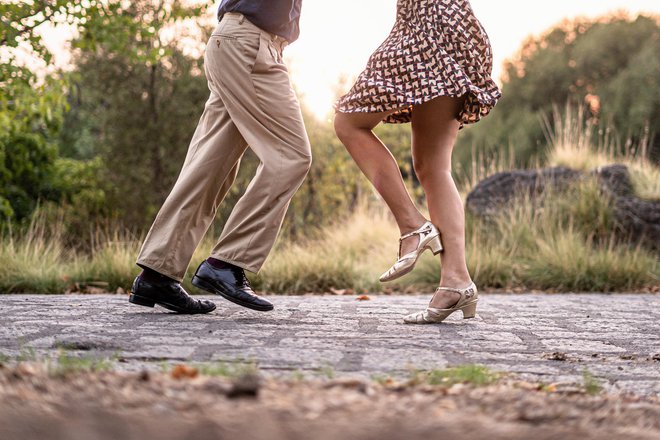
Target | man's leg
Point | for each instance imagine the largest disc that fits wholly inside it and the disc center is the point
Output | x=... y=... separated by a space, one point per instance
x=247 y=69
x=263 y=105
x=207 y=174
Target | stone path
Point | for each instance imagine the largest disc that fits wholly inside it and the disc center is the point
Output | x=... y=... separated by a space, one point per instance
x=548 y=338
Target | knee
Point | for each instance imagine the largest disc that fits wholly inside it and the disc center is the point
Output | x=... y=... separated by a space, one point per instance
x=305 y=164
x=428 y=169
x=297 y=166
x=344 y=129
x=421 y=169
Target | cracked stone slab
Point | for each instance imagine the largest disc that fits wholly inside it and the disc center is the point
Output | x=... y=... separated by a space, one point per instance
x=615 y=337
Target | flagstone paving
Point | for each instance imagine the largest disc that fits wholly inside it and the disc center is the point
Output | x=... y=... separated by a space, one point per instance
x=547 y=338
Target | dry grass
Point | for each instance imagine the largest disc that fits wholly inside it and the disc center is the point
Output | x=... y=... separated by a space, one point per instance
x=350 y=254
x=564 y=243
x=577 y=144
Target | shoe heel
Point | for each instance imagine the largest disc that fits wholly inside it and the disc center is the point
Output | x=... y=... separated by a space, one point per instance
x=141 y=301
x=435 y=245
x=201 y=284
x=470 y=311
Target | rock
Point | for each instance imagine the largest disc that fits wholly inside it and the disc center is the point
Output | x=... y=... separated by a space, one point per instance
x=246 y=385
x=616 y=179
x=638 y=220
x=556 y=356
x=496 y=192
x=83 y=344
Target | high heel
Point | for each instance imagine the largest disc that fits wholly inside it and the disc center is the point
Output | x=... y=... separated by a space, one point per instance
x=467 y=303
x=429 y=238
x=470 y=311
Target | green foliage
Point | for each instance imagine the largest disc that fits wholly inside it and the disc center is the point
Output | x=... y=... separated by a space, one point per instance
x=123 y=41
x=234 y=369
x=610 y=66
x=21 y=20
x=590 y=383
x=26 y=162
x=134 y=29
x=477 y=375
x=31 y=106
x=135 y=101
x=79 y=194
x=80 y=184
x=30 y=114
x=327 y=371
x=27 y=354
x=68 y=364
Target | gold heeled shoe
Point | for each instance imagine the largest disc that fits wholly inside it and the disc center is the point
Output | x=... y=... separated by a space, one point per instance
x=467 y=303
x=429 y=238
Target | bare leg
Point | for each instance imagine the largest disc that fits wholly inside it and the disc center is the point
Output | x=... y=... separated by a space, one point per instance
x=435 y=128
x=355 y=130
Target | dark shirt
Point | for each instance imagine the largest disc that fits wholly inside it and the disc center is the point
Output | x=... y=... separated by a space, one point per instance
x=279 y=17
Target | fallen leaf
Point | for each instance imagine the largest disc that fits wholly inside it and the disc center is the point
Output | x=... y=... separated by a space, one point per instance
x=363 y=298
x=389 y=382
x=184 y=372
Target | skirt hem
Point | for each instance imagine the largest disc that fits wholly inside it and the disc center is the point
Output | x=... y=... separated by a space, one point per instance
x=485 y=106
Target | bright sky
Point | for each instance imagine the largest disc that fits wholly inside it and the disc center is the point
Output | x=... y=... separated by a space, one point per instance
x=339 y=35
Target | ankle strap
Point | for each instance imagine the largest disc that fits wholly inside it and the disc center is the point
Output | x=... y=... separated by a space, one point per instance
x=467 y=291
x=416 y=232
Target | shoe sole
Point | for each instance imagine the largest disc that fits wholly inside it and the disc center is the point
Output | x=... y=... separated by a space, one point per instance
x=205 y=285
x=147 y=302
x=410 y=269
x=470 y=313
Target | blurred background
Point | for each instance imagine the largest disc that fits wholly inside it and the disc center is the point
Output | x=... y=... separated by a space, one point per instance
x=99 y=99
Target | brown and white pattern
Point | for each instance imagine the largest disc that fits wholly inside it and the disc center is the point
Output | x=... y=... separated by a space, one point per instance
x=436 y=48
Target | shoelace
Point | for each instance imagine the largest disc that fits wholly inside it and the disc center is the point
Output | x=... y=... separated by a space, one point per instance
x=240 y=275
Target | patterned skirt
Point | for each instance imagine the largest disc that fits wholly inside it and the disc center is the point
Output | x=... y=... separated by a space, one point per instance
x=436 y=48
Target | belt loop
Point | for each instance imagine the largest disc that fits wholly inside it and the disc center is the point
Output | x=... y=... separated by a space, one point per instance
x=242 y=19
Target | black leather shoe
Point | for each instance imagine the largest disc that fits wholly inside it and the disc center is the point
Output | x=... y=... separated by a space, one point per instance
x=230 y=283
x=168 y=294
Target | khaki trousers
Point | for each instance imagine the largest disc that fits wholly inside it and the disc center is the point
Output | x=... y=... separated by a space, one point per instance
x=252 y=104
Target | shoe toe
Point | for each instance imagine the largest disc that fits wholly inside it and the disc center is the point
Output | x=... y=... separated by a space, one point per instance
x=414 y=318
x=207 y=306
x=264 y=303
x=410 y=319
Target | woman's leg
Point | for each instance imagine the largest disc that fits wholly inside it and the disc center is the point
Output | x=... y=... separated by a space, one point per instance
x=435 y=127
x=355 y=130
